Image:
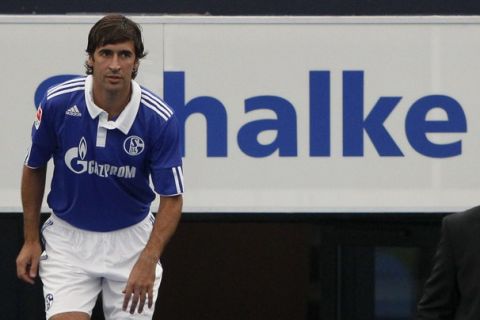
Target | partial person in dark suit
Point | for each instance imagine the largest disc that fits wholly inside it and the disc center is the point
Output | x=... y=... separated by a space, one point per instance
x=453 y=289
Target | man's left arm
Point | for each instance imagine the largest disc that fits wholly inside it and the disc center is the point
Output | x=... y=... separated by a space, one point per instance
x=141 y=280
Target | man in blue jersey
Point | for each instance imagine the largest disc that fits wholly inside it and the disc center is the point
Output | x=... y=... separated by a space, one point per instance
x=108 y=136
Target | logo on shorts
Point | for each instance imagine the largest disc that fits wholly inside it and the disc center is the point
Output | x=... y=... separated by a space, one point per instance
x=133 y=145
x=48 y=301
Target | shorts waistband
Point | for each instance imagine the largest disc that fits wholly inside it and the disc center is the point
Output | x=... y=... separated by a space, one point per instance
x=64 y=224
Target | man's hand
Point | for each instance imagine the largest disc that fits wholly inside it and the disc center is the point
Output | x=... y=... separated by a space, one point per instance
x=27 y=261
x=142 y=277
x=140 y=283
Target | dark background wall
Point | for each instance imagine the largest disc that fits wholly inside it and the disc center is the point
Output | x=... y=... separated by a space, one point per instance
x=259 y=266
x=247 y=7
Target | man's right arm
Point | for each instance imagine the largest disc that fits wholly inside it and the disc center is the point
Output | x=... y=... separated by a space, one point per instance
x=32 y=189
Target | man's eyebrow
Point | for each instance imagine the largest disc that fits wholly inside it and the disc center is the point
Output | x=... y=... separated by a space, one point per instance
x=119 y=51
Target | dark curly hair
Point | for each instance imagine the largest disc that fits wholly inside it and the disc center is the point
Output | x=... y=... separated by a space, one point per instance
x=112 y=29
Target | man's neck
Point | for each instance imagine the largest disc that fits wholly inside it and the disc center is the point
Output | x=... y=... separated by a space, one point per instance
x=113 y=102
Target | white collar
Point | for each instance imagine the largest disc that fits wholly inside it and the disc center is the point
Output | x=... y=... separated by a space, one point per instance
x=127 y=116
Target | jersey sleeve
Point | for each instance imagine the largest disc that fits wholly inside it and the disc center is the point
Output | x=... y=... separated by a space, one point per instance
x=166 y=162
x=43 y=137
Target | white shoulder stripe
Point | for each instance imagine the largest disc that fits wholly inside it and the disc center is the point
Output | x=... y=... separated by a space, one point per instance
x=66 y=84
x=155 y=109
x=63 y=87
x=153 y=103
x=157 y=101
x=64 y=91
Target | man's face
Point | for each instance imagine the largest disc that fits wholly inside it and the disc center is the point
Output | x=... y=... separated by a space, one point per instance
x=113 y=65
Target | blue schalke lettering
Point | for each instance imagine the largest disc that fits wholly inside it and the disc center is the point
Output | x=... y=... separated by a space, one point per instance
x=319 y=113
x=417 y=126
x=212 y=109
x=354 y=122
x=285 y=125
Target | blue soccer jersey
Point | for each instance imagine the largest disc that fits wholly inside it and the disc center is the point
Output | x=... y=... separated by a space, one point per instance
x=103 y=168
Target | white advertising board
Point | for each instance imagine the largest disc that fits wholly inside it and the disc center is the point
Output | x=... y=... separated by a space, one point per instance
x=285 y=114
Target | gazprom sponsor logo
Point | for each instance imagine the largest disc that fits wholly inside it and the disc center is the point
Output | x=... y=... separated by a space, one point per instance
x=76 y=162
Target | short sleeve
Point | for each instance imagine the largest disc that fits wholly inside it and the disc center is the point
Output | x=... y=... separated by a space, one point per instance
x=43 y=137
x=166 y=161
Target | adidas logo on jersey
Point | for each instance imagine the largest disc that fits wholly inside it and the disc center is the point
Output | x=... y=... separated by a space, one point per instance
x=73 y=111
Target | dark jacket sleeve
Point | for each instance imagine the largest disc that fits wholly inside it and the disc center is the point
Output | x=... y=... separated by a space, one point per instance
x=440 y=296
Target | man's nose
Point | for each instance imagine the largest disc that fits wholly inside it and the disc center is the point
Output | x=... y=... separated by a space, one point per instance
x=114 y=63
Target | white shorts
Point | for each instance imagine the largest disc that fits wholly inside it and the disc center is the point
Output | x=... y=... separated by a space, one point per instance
x=77 y=265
